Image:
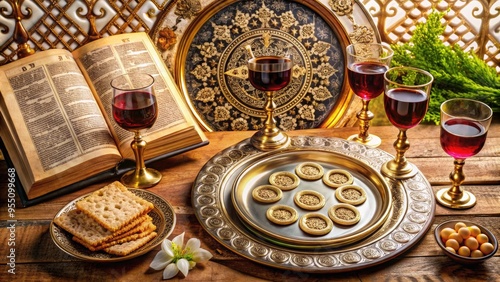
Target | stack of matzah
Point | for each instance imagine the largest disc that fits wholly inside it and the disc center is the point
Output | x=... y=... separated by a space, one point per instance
x=111 y=219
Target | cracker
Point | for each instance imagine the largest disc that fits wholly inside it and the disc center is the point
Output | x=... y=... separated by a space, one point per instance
x=114 y=206
x=120 y=240
x=79 y=224
x=83 y=226
x=128 y=247
x=141 y=227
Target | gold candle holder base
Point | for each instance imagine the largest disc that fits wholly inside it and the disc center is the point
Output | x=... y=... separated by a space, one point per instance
x=397 y=170
x=270 y=141
x=463 y=200
x=141 y=177
x=455 y=197
x=371 y=140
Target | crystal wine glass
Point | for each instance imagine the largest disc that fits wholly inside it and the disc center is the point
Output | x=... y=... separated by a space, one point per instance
x=270 y=74
x=464 y=126
x=406 y=99
x=135 y=109
x=366 y=65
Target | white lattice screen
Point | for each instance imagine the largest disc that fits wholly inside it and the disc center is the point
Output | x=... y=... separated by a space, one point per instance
x=67 y=24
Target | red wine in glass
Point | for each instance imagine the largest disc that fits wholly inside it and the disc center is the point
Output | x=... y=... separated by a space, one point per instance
x=405 y=108
x=405 y=101
x=135 y=110
x=462 y=138
x=367 y=79
x=269 y=73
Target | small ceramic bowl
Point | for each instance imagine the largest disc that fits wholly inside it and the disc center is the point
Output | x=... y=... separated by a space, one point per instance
x=457 y=257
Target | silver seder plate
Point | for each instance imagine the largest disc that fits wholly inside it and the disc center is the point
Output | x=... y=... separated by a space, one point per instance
x=374 y=210
x=403 y=209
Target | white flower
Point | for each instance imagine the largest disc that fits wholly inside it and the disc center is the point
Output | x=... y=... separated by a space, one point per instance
x=175 y=257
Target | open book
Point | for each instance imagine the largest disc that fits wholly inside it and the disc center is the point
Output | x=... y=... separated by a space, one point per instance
x=56 y=122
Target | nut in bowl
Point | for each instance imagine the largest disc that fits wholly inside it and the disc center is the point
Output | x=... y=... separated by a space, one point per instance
x=465 y=242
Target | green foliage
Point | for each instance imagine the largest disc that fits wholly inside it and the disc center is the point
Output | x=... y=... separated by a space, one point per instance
x=456 y=73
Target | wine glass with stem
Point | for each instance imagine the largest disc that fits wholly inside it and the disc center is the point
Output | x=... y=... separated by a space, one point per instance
x=366 y=65
x=135 y=108
x=406 y=100
x=269 y=74
x=464 y=126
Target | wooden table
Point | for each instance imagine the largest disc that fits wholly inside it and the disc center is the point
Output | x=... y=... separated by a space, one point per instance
x=38 y=258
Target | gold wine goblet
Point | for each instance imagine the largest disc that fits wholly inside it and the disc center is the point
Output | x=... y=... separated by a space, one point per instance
x=366 y=65
x=464 y=126
x=406 y=100
x=270 y=74
x=135 y=109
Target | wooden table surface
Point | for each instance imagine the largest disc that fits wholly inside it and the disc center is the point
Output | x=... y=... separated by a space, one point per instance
x=37 y=258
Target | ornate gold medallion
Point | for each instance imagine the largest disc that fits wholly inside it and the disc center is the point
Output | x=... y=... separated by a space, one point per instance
x=212 y=64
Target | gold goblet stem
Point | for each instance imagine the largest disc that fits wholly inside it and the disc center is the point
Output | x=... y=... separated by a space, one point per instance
x=270 y=137
x=457 y=177
x=365 y=116
x=399 y=167
x=455 y=197
x=270 y=123
x=138 y=146
x=141 y=177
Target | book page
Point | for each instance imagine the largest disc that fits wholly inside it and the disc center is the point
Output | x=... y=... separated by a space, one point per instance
x=55 y=117
x=106 y=58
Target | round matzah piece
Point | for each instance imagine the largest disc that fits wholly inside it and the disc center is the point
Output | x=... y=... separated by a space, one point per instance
x=309 y=200
x=337 y=177
x=351 y=194
x=315 y=224
x=344 y=214
x=309 y=171
x=267 y=194
x=284 y=180
x=282 y=214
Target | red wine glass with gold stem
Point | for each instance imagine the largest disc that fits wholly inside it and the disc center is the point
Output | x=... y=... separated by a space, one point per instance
x=270 y=74
x=366 y=65
x=464 y=126
x=406 y=100
x=135 y=109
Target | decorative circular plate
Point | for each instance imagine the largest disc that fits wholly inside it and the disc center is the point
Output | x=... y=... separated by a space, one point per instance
x=412 y=212
x=255 y=171
x=163 y=217
x=203 y=44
